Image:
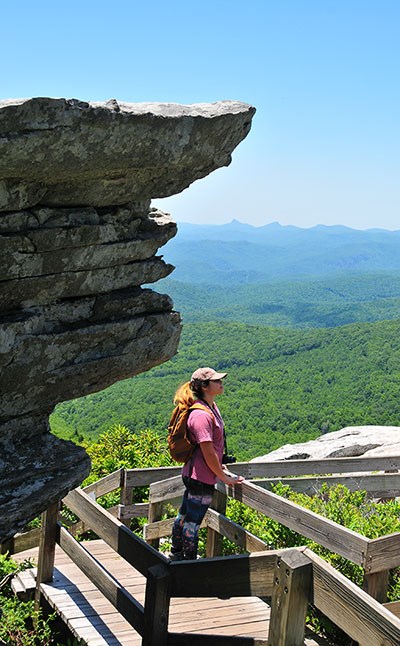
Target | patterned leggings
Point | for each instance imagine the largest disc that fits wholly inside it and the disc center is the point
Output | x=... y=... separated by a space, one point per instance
x=185 y=532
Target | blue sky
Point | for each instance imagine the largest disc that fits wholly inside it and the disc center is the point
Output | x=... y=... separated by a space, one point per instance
x=323 y=75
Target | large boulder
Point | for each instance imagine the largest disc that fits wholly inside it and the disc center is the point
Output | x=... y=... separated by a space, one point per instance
x=78 y=243
x=352 y=441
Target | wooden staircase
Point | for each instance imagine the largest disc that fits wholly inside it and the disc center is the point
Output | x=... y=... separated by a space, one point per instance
x=23 y=584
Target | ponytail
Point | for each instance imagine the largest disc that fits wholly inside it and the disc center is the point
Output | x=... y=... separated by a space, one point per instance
x=187 y=394
x=184 y=396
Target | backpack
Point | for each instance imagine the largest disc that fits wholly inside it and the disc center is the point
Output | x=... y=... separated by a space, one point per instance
x=180 y=447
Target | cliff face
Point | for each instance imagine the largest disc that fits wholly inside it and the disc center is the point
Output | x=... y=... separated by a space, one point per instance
x=78 y=240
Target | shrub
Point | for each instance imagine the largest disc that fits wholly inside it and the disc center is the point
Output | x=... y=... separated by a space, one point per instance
x=20 y=624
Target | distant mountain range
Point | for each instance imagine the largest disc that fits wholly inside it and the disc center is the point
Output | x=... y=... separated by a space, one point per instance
x=284 y=275
x=238 y=253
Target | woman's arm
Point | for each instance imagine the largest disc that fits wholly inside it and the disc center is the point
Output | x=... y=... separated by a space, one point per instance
x=213 y=463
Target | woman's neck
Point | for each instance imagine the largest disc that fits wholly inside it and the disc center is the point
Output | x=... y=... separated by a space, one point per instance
x=209 y=400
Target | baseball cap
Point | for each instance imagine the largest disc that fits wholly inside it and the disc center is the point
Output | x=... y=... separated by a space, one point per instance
x=207 y=374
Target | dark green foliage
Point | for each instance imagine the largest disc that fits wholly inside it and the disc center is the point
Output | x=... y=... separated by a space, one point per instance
x=120 y=448
x=305 y=303
x=20 y=624
x=283 y=386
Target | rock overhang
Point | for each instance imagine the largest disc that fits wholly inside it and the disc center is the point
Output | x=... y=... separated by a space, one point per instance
x=78 y=240
x=111 y=153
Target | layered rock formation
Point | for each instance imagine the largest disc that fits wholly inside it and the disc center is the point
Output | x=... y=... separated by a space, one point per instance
x=352 y=441
x=78 y=240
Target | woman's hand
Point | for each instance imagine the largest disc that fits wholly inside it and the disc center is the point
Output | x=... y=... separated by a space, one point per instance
x=231 y=478
x=214 y=464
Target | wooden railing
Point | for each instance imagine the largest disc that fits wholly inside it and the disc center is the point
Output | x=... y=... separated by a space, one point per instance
x=292 y=578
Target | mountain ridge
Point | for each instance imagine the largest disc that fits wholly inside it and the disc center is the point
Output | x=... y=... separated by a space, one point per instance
x=238 y=253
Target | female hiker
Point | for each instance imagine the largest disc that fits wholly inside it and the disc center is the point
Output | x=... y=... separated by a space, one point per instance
x=206 y=430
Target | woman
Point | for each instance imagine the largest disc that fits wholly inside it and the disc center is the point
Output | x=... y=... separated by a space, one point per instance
x=201 y=472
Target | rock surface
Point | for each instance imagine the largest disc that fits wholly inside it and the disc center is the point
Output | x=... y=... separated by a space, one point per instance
x=111 y=153
x=78 y=240
x=352 y=441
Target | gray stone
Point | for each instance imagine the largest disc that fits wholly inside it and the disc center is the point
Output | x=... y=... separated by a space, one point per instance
x=36 y=481
x=78 y=239
x=111 y=153
x=352 y=441
x=19 y=194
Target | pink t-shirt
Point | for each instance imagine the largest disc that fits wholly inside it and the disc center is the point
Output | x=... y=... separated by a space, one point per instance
x=203 y=427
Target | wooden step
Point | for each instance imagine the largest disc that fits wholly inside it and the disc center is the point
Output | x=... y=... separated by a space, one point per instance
x=23 y=584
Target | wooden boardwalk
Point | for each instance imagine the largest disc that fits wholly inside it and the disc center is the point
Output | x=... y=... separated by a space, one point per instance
x=92 y=618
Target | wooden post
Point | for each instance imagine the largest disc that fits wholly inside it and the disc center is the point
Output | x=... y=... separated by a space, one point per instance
x=47 y=548
x=290 y=597
x=214 y=538
x=155 y=514
x=156 y=607
x=376 y=585
x=126 y=498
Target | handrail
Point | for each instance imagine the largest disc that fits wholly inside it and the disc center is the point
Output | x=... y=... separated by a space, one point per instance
x=353 y=610
x=331 y=535
x=377 y=483
x=278 y=468
x=119 y=537
x=254 y=574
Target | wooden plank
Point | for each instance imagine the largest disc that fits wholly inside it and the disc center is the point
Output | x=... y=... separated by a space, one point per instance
x=241 y=616
x=141 y=477
x=47 y=545
x=383 y=553
x=353 y=610
x=277 y=469
x=159 y=529
x=394 y=607
x=216 y=521
x=214 y=538
x=376 y=585
x=155 y=514
x=156 y=608
x=132 y=548
x=166 y=489
x=281 y=468
x=241 y=575
x=234 y=611
x=74 y=528
x=24 y=541
x=381 y=485
x=122 y=600
x=126 y=499
x=124 y=512
x=234 y=532
x=107 y=484
x=290 y=597
x=183 y=639
x=325 y=532
x=137 y=510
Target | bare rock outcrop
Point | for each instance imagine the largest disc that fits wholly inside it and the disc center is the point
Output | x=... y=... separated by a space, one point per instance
x=352 y=441
x=78 y=240
x=62 y=152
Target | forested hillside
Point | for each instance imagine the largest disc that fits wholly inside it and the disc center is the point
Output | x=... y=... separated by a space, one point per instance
x=299 y=304
x=283 y=386
x=340 y=288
